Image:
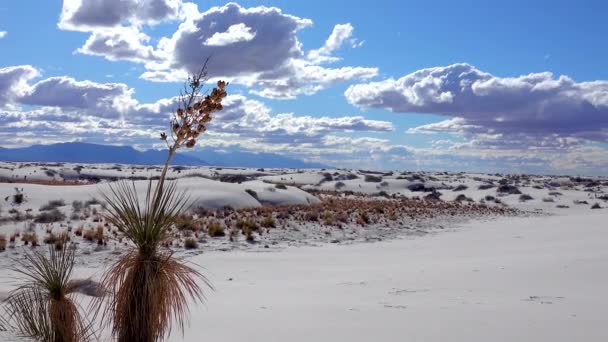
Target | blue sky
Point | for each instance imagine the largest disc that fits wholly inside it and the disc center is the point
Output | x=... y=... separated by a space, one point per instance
x=387 y=92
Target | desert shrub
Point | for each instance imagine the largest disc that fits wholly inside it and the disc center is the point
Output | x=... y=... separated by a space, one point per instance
x=245 y=224
x=562 y=206
x=89 y=235
x=343 y=217
x=363 y=218
x=485 y=186
x=252 y=193
x=77 y=206
x=149 y=290
x=233 y=178
x=596 y=206
x=372 y=179
x=249 y=235
x=311 y=215
x=215 y=229
x=2 y=242
x=580 y=202
x=508 y=189
x=339 y=185
x=190 y=243
x=416 y=187
x=351 y=176
x=92 y=201
x=50 y=216
x=186 y=222
x=462 y=197
x=268 y=222
x=281 y=186
x=327 y=177
x=50 y=173
x=385 y=183
x=548 y=199
x=53 y=204
x=525 y=197
x=18 y=197
x=460 y=187
x=328 y=218
x=42 y=307
x=433 y=196
x=381 y=194
x=555 y=193
x=30 y=238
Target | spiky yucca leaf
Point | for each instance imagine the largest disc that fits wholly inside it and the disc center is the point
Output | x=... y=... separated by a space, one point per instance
x=42 y=308
x=147 y=224
x=149 y=289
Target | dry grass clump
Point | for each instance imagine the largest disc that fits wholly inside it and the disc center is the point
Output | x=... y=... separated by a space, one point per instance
x=50 y=216
x=268 y=222
x=30 y=238
x=188 y=223
x=148 y=288
x=372 y=179
x=42 y=308
x=53 y=204
x=215 y=229
x=190 y=243
x=2 y=242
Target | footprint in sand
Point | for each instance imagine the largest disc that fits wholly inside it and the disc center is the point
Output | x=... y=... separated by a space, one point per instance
x=392 y=306
x=352 y=283
x=542 y=299
x=398 y=292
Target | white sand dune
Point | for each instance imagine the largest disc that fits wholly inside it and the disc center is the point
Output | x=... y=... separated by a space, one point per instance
x=540 y=277
x=517 y=279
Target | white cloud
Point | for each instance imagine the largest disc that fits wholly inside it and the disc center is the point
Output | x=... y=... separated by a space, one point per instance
x=3 y=34
x=13 y=82
x=63 y=106
x=120 y=43
x=528 y=110
x=88 y=15
x=340 y=34
x=257 y=47
x=234 y=34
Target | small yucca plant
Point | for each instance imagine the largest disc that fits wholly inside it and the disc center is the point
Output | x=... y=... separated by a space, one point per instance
x=43 y=307
x=148 y=288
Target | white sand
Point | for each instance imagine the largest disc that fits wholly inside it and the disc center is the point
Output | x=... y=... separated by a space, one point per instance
x=539 y=278
x=518 y=279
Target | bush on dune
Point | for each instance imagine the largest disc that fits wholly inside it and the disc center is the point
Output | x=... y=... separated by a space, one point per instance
x=149 y=290
x=43 y=307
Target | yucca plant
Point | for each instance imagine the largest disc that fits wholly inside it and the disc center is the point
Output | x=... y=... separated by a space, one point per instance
x=148 y=288
x=43 y=308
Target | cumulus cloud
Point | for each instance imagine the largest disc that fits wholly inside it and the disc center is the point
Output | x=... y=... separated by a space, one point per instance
x=252 y=118
x=3 y=34
x=88 y=15
x=13 y=82
x=120 y=43
x=257 y=47
x=64 y=106
x=340 y=34
x=536 y=108
x=107 y=99
x=234 y=34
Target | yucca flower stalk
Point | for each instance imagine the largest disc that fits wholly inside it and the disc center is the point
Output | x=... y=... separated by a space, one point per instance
x=148 y=288
x=43 y=307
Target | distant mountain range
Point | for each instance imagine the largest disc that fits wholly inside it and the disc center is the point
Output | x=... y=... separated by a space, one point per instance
x=77 y=152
